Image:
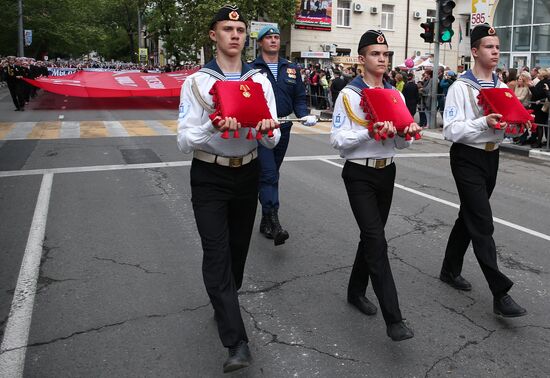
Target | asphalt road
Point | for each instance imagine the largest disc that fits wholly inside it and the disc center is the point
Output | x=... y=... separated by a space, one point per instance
x=120 y=292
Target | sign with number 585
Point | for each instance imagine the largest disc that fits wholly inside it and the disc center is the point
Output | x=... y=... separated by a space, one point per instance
x=478 y=18
x=480 y=9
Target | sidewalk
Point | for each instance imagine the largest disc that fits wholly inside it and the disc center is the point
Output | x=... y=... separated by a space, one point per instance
x=535 y=153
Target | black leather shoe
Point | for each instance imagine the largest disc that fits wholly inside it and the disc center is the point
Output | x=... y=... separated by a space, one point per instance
x=505 y=306
x=457 y=282
x=239 y=357
x=399 y=331
x=363 y=305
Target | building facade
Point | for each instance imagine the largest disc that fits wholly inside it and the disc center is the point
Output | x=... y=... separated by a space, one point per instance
x=399 y=20
x=523 y=27
x=524 y=30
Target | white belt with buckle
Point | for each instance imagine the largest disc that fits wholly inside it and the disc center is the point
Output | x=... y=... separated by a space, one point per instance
x=489 y=146
x=233 y=162
x=373 y=163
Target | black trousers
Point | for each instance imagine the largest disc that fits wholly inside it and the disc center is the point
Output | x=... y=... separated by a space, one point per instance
x=17 y=95
x=224 y=202
x=370 y=193
x=475 y=174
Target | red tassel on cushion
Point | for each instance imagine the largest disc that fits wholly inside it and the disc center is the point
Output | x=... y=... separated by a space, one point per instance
x=249 y=135
x=236 y=134
x=258 y=135
x=225 y=134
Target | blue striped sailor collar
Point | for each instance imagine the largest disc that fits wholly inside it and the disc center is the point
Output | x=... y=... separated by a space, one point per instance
x=469 y=78
x=214 y=70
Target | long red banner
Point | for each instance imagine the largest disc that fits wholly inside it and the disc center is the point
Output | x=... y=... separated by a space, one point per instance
x=115 y=84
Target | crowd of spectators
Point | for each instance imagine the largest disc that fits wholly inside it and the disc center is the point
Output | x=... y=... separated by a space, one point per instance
x=531 y=86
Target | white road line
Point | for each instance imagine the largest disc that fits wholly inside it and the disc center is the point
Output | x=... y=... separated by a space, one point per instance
x=70 y=129
x=95 y=168
x=21 y=130
x=16 y=334
x=181 y=163
x=115 y=129
x=456 y=206
x=159 y=128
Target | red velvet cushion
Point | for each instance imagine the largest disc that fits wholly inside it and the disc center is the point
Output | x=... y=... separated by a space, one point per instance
x=243 y=100
x=503 y=101
x=382 y=105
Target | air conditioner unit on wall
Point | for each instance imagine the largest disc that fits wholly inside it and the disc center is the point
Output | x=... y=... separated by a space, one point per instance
x=357 y=7
x=417 y=15
x=326 y=47
x=373 y=10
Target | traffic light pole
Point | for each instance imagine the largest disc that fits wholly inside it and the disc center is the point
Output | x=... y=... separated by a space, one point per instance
x=20 y=45
x=435 y=69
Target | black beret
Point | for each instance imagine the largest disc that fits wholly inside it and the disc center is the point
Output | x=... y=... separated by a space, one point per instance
x=372 y=37
x=227 y=13
x=480 y=31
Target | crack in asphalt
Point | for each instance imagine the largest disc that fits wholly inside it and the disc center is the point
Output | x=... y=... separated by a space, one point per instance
x=511 y=263
x=420 y=224
x=275 y=340
x=278 y=284
x=392 y=251
x=44 y=282
x=138 y=266
x=2 y=324
x=105 y=326
x=46 y=250
x=159 y=179
x=456 y=352
x=455 y=311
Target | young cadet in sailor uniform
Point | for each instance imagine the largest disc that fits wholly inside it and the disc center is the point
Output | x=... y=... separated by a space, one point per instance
x=369 y=175
x=290 y=95
x=224 y=178
x=474 y=158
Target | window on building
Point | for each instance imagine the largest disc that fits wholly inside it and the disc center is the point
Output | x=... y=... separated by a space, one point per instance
x=522 y=12
x=468 y=27
x=343 y=13
x=542 y=12
x=430 y=15
x=386 y=22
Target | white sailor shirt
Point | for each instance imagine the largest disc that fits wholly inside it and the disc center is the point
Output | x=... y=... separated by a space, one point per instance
x=195 y=129
x=463 y=119
x=353 y=140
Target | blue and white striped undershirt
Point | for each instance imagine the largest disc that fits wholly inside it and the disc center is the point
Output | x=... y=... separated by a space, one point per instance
x=273 y=67
x=232 y=76
x=486 y=84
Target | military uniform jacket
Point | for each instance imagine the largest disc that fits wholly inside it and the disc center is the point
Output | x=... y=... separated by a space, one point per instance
x=289 y=89
x=10 y=73
x=195 y=129
x=463 y=119
x=352 y=139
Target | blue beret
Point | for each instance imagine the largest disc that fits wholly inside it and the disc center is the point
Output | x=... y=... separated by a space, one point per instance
x=268 y=30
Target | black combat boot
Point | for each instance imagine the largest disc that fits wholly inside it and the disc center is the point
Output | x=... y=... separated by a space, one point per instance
x=278 y=234
x=266 y=226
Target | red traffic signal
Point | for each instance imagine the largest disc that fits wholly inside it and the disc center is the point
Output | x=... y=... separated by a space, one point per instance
x=429 y=31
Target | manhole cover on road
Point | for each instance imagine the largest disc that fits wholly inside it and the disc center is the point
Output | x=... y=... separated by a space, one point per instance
x=139 y=156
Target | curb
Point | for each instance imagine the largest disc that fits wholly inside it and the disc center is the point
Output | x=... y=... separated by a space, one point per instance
x=540 y=154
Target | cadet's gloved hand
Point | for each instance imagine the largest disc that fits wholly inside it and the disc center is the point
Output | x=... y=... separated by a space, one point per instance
x=309 y=120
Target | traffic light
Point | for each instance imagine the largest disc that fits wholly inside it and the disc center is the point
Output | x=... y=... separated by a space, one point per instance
x=446 y=20
x=428 y=35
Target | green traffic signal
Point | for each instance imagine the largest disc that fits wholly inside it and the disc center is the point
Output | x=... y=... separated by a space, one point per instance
x=446 y=19
x=447 y=35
